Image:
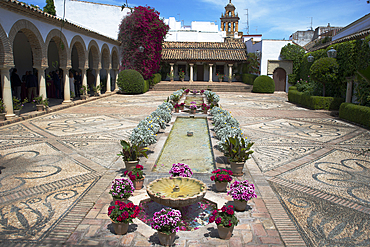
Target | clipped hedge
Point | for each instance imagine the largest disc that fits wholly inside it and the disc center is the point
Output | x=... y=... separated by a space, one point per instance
x=314 y=102
x=355 y=113
x=130 y=81
x=263 y=84
x=249 y=78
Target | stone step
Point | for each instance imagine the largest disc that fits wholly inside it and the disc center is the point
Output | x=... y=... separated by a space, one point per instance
x=214 y=86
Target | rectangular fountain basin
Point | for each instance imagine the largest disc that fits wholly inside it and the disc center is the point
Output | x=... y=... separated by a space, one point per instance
x=195 y=151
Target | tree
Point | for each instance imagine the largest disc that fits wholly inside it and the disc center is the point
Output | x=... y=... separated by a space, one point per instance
x=142 y=28
x=325 y=71
x=252 y=65
x=49 y=7
x=294 y=53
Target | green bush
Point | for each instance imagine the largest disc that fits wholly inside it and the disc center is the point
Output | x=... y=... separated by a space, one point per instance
x=355 y=113
x=130 y=81
x=263 y=84
x=146 y=86
x=314 y=102
x=325 y=70
x=249 y=78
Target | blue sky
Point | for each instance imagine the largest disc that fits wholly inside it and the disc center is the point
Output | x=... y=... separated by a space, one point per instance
x=272 y=18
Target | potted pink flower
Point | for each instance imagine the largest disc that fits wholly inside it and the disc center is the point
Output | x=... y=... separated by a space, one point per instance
x=181 y=170
x=121 y=215
x=194 y=91
x=225 y=220
x=221 y=178
x=136 y=176
x=121 y=189
x=193 y=109
x=167 y=223
x=241 y=192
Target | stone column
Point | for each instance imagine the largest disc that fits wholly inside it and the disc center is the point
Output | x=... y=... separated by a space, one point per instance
x=42 y=84
x=171 y=72
x=191 y=72
x=230 y=72
x=108 y=81
x=210 y=72
x=67 y=90
x=236 y=26
x=84 y=78
x=349 y=90
x=7 y=93
x=97 y=82
x=116 y=71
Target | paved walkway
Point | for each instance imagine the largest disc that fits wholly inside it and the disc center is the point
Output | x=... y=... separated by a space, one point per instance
x=310 y=169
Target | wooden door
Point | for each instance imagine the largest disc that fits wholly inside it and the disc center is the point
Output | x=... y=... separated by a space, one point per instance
x=280 y=79
x=200 y=73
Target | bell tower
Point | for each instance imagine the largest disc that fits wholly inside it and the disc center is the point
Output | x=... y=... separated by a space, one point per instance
x=229 y=20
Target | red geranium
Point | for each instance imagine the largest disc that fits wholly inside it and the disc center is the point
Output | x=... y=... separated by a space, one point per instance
x=136 y=173
x=222 y=175
x=122 y=212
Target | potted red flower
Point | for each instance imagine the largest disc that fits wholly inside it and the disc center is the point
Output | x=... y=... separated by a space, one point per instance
x=136 y=176
x=221 y=178
x=177 y=107
x=182 y=106
x=226 y=220
x=205 y=108
x=121 y=215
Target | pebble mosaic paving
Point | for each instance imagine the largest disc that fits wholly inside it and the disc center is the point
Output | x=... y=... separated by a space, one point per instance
x=311 y=170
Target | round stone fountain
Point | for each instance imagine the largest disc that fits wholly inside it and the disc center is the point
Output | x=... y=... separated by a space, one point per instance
x=176 y=192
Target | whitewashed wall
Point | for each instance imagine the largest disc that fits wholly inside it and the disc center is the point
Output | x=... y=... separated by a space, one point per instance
x=101 y=18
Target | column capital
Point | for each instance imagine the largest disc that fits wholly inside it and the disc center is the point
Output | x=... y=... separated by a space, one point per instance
x=230 y=64
x=191 y=64
x=172 y=64
x=66 y=68
x=210 y=64
x=41 y=67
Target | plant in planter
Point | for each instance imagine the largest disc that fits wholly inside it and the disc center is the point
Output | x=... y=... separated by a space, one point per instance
x=201 y=91
x=130 y=154
x=177 y=107
x=241 y=192
x=237 y=150
x=221 y=178
x=170 y=75
x=96 y=90
x=121 y=189
x=220 y=76
x=182 y=75
x=182 y=106
x=2 y=109
x=175 y=97
x=121 y=215
x=194 y=91
x=205 y=108
x=180 y=170
x=40 y=103
x=18 y=105
x=83 y=92
x=226 y=220
x=186 y=91
x=193 y=109
x=136 y=176
x=167 y=223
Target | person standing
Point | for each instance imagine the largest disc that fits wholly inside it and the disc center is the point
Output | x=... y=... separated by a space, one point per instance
x=31 y=84
x=16 y=84
x=58 y=90
x=72 y=85
x=78 y=83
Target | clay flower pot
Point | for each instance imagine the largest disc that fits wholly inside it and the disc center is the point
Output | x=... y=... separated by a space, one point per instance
x=225 y=232
x=138 y=183
x=240 y=205
x=221 y=186
x=131 y=165
x=237 y=168
x=166 y=240
x=120 y=228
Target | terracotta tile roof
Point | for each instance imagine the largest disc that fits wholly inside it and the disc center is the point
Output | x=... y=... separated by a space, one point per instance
x=230 y=50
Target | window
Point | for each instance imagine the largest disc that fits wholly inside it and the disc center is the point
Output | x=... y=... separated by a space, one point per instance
x=220 y=69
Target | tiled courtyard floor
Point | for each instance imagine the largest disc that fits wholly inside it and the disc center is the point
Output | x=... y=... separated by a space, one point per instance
x=310 y=169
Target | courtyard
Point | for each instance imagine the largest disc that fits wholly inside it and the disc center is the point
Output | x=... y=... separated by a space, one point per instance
x=310 y=169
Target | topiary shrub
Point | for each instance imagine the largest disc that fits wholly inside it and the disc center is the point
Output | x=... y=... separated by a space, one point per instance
x=263 y=84
x=130 y=81
x=146 y=86
x=325 y=70
x=249 y=78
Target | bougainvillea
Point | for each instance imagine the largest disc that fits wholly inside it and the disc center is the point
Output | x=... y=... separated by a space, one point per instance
x=142 y=27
